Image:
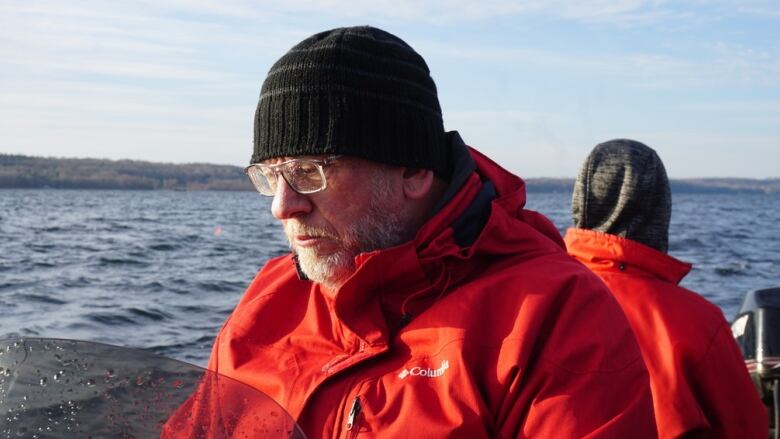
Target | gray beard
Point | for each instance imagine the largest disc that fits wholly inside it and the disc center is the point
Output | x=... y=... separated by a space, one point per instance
x=381 y=227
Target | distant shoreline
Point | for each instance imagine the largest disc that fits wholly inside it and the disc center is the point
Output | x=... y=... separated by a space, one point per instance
x=28 y=172
x=679 y=186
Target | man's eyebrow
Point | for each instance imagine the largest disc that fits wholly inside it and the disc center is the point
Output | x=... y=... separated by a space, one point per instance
x=277 y=160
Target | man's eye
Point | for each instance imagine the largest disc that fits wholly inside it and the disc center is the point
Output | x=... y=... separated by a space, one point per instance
x=303 y=169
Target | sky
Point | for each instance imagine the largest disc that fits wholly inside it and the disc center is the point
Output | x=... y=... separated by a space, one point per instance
x=533 y=84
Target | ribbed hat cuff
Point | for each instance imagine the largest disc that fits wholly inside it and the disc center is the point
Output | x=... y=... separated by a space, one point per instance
x=396 y=134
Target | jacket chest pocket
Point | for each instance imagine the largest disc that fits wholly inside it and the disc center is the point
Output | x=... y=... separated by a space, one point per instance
x=419 y=401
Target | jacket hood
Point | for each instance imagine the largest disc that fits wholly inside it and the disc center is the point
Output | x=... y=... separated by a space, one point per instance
x=480 y=212
x=602 y=250
x=622 y=189
x=483 y=218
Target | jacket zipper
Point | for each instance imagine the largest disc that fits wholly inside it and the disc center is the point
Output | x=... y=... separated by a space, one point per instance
x=354 y=412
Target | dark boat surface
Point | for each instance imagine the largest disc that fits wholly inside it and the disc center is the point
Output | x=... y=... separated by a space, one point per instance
x=52 y=388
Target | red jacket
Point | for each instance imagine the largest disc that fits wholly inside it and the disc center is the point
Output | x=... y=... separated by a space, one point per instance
x=697 y=374
x=507 y=336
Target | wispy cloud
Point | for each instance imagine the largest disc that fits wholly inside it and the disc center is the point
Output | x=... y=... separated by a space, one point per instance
x=105 y=106
x=444 y=12
x=441 y=12
x=765 y=9
x=715 y=64
x=119 y=68
x=708 y=153
x=173 y=79
x=221 y=136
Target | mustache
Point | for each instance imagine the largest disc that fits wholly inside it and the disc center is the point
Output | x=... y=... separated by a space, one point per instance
x=292 y=229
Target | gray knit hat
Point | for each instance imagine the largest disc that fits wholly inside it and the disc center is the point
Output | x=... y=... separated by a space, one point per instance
x=358 y=91
x=622 y=189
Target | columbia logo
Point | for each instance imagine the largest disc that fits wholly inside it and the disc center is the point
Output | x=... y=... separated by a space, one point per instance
x=427 y=372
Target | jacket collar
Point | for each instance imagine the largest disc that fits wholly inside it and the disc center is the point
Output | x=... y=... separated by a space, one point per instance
x=598 y=248
x=391 y=286
x=481 y=215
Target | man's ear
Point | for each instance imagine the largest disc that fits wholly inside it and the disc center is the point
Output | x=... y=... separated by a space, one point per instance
x=417 y=183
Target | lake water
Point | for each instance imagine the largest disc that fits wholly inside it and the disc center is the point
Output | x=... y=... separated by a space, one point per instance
x=161 y=270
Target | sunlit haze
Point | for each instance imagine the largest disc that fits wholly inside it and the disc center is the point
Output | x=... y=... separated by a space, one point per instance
x=533 y=84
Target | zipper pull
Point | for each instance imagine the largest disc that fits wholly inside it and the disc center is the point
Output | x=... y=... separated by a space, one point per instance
x=353 y=413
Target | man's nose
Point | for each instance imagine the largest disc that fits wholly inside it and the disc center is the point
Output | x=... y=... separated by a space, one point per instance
x=287 y=203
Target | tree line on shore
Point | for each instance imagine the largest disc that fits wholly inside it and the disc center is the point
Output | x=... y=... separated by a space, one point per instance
x=28 y=172
x=19 y=171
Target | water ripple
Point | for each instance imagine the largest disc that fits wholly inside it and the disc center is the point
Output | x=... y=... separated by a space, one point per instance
x=109 y=261
x=151 y=314
x=730 y=271
x=164 y=247
x=40 y=298
x=164 y=269
x=111 y=319
x=219 y=287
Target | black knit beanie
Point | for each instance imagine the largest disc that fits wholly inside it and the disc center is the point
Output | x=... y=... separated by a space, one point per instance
x=358 y=91
x=622 y=189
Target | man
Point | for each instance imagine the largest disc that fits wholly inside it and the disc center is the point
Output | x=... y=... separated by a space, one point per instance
x=420 y=299
x=621 y=208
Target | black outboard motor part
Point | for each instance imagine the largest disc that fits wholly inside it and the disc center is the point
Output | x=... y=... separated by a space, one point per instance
x=756 y=329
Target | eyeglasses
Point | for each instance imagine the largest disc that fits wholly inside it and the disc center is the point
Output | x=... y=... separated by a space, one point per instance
x=305 y=176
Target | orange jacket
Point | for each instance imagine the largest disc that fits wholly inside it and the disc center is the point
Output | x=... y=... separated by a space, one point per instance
x=698 y=376
x=505 y=335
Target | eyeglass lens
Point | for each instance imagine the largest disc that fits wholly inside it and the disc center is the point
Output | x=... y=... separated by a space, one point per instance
x=302 y=176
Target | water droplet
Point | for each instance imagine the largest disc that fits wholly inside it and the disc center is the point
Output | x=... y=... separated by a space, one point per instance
x=43 y=381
